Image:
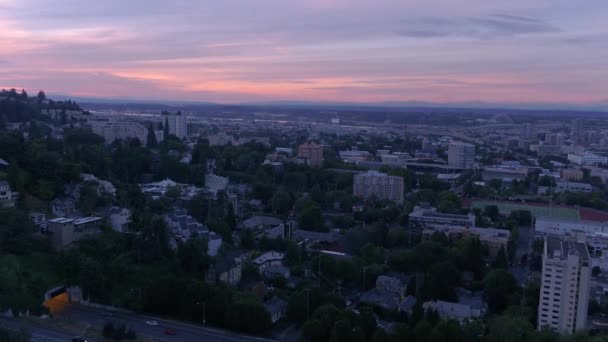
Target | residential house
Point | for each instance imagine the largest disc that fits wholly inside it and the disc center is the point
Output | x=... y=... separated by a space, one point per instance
x=268 y=259
x=225 y=270
x=63 y=207
x=119 y=219
x=391 y=284
x=7 y=196
x=276 y=307
x=272 y=272
x=456 y=311
x=260 y=222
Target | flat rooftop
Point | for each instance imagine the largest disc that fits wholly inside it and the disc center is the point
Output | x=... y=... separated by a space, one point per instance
x=558 y=248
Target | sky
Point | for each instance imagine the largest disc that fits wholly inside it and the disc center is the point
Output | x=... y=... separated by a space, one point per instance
x=234 y=51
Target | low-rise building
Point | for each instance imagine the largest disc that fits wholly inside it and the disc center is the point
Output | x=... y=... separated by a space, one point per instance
x=119 y=219
x=391 y=284
x=268 y=259
x=493 y=238
x=423 y=217
x=505 y=174
x=572 y=174
x=355 y=156
x=544 y=225
x=63 y=207
x=7 y=196
x=65 y=231
x=587 y=158
x=456 y=311
x=276 y=307
x=565 y=186
x=215 y=183
x=225 y=270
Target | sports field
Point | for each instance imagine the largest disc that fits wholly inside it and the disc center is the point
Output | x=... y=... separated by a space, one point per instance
x=535 y=208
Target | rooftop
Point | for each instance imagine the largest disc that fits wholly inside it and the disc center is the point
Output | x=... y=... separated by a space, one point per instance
x=558 y=248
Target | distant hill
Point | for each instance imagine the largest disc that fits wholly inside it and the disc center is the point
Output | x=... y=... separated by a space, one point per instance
x=20 y=107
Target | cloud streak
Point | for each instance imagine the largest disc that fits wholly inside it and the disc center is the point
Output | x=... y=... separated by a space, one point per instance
x=335 y=50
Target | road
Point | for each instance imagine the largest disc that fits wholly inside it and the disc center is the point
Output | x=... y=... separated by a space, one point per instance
x=185 y=332
x=38 y=334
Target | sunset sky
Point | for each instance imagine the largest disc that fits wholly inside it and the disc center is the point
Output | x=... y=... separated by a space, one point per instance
x=518 y=51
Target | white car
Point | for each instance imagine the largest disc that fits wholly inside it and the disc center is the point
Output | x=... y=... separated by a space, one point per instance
x=152 y=323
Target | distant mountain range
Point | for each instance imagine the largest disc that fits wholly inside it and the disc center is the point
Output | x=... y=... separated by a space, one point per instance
x=601 y=106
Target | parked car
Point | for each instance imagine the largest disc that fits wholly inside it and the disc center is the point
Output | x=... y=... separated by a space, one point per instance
x=152 y=323
x=170 y=331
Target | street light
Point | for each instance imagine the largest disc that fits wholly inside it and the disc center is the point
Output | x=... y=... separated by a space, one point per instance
x=204 y=311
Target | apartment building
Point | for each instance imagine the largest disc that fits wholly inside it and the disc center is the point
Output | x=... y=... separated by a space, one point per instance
x=380 y=185
x=564 y=292
x=177 y=124
x=312 y=153
x=121 y=130
x=461 y=155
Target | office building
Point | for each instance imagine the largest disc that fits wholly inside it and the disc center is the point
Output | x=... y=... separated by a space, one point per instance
x=587 y=158
x=312 y=154
x=461 y=155
x=380 y=185
x=548 y=150
x=564 y=292
x=176 y=123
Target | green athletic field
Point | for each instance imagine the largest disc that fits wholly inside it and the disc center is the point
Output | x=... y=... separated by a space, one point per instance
x=535 y=209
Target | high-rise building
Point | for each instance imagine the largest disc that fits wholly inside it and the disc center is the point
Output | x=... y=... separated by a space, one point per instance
x=564 y=292
x=176 y=123
x=380 y=185
x=461 y=155
x=312 y=153
x=526 y=131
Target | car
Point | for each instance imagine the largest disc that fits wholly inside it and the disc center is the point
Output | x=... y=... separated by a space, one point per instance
x=152 y=323
x=170 y=331
x=107 y=314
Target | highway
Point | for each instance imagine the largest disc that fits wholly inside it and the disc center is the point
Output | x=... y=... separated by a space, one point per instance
x=185 y=332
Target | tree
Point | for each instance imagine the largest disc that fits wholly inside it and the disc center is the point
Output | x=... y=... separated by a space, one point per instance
x=281 y=202
x=510 y=329
x=501 y=260
x=312 y=331
x=499 y=285
x=249 y=316
x=41 y=96
x=151 y=141
x=311 y=219
x=491 y=211
x=341 y=331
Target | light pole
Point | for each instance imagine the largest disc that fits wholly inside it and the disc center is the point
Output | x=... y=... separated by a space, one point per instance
x=204 y=312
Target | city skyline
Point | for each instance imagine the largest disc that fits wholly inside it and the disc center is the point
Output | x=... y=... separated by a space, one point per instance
x=325 y=51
